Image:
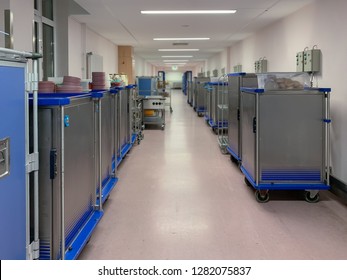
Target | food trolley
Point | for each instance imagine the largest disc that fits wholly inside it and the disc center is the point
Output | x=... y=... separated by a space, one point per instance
x=218 y=92
x=236 y=81
x=68 y=178
x=154 y=111
x=285 y=135
x=19 y=232
x=199 y=103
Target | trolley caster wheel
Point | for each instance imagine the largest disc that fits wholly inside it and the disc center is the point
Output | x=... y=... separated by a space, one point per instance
x=234 y=160
x=262 y=196
x=310 y=199
x=162 y=127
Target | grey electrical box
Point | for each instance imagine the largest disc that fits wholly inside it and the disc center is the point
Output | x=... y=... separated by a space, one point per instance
x=238 y=68
x=260 y=66
x=300 y=62
x=312 y=60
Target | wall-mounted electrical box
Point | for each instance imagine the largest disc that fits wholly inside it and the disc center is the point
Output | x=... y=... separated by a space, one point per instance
x=215 y=73
x=312 y=60
x=238 y=68
x=300 y=62
x=260 y=66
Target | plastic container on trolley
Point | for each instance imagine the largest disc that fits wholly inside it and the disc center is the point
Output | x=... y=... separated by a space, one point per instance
x=68 y=173
x=285 y=140
x=236 y=81
x=199 y=100
x=17 y=162
x=147 y=85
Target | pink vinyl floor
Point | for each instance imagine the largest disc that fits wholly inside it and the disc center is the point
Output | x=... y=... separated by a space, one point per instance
x=179 y=198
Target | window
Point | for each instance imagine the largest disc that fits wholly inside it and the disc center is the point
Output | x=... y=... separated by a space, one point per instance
x=43 y=37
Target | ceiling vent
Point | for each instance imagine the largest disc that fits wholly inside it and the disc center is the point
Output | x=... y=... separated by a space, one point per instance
x=180 y=44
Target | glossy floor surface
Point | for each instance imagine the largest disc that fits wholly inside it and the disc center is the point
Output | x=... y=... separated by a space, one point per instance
x=179 y=197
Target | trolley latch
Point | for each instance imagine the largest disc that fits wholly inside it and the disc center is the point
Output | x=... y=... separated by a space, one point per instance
x=53 y=164
x=32 y=163
x=254 y=125
x=34 y=250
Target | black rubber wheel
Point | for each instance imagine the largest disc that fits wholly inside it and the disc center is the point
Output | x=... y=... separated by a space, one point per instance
x=234 y=160
x=310 y=199
x=261 y=197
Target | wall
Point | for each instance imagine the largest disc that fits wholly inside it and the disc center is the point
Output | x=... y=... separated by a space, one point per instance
x=219 y=61
x=316 y=24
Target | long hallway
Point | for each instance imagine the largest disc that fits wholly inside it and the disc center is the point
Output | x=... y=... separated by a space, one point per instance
x=178 y=197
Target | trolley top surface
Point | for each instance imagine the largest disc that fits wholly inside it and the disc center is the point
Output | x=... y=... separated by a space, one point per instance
x=61 y=99
x=261 y=90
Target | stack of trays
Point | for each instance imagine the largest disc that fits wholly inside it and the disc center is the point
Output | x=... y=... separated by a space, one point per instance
x=98 y=81
x=46 y=87
x=70 y=85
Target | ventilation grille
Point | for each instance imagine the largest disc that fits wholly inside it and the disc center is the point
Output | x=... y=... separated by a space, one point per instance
x=180 y=44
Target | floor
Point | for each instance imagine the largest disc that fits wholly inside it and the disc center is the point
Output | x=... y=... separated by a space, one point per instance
x=179 y=198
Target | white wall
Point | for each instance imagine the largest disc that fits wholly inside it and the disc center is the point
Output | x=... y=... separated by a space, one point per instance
x=77 y=52
x=321 y=23
x=219 y=61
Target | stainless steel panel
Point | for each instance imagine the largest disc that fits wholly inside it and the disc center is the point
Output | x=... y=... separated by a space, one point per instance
x=107 y=127
x=234 y=104
x=124 y=117
x=79 y=176
x=248 y=113
x=291 y=136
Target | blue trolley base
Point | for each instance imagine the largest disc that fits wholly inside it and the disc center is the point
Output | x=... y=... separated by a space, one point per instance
x=233 y=154
x=84 y=235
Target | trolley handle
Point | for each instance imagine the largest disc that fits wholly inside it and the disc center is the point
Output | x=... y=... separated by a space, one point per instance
x=254 y=125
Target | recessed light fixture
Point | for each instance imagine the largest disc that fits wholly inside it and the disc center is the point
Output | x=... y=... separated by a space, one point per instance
x=178 y=50
x=176 y=60
x=175 y=63
x=180 y=39
x=176 y=56
x=188 y=12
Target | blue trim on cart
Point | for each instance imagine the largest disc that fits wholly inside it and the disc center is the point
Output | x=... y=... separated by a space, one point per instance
x=107 y=188
x=57 y=99
x=130 y=86
x=327 y=120
x=201 y=110
x=237 y=74
x=318 y=89
x=252 y=90
x=233 y=154
x=83 y=236
x=217 y=84
x=133 y=138
x=284 y=186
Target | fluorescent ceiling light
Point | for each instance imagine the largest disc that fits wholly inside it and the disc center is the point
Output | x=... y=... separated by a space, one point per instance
x=186 y=12
x=180 y=39
x=175 y=63
x=178 y=50
x=176 y=60
x=174 y=56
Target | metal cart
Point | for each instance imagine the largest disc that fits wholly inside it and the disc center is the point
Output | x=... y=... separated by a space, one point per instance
x=208 y=101
x=18 y=163
x=69 y=164
x=105 y=144
x=167 y=94
x=222 y=113
x=136 y=114
x=154 y=110
x=236 y=81
x=285 y=140
x=218 y=92
x=199 y=103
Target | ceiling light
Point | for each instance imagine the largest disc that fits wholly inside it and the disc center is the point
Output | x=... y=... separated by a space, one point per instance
x=180 y=39
x=174 y=56
x=178 y=50
x=178 y=60
x=185 y=12
x=175 y=63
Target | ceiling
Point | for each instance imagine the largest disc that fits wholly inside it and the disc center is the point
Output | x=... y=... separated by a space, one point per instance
x=121 y=22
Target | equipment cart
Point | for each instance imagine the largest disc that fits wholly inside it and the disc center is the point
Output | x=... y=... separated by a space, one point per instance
x=154 y=110
x=19 y=231
x=199 y=103
x=222 y=113
x=69 y=164
x=137 y=114
x=285 y=135
x=215 y=122
x=236 y=81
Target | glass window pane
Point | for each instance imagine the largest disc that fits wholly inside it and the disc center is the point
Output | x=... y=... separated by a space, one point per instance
x=47 y=9
x=48 y=51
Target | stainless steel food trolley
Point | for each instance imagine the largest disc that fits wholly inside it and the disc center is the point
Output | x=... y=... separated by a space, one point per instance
x=218 y=92
x=199 y=103
x=68 y=180
x=222 y=113
x=154 y=111
x=285 y=140
x=236 y=81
